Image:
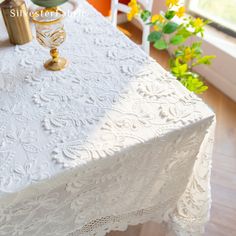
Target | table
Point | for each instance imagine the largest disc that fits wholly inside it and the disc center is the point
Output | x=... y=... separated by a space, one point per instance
x=113 y=140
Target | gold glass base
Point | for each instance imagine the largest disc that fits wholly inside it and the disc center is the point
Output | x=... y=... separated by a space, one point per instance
x=53 y=65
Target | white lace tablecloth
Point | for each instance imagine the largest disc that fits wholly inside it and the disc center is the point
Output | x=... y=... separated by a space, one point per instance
x=113 y=140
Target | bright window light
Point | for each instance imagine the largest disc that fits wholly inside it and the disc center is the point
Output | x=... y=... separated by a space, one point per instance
x=222 y=12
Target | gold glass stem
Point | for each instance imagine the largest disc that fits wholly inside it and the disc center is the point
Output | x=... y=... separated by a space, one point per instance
x=54 y=54
x=56 y=63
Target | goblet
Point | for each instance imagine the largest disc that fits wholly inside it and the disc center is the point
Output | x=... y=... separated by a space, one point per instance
x=50 y=33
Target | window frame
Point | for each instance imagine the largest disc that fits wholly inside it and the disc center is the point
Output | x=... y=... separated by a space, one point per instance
x=216 y=25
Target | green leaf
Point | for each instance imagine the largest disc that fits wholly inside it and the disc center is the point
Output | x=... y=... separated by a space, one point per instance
x=205 y=60
x=184 y=32
x=160 y=44
x=179 y=52
x=177 y=39
x=154 y=36
x=197 y=47
x=179 y=70
x=170 y=28
x=193 y=84
x=145 y=15
x=169 y=15
x=202 y=89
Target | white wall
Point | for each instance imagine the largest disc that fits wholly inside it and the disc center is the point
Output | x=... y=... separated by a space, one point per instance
x=222 y=72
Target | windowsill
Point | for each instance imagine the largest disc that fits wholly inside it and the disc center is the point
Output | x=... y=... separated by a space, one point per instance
x=220 y=40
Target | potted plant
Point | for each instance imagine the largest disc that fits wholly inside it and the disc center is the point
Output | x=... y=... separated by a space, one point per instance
x=174 y=28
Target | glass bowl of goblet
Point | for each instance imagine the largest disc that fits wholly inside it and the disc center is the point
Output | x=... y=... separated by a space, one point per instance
x=50 y=33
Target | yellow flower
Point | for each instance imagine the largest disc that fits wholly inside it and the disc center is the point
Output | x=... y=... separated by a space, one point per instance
x=188 y=54
x=180 y=12
x=156 y=27
x=156 y=18
x=134 y=9
x=198 y=23
x=171 y=3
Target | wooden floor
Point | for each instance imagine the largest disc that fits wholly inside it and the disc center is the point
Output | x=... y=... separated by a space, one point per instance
x=223 y=180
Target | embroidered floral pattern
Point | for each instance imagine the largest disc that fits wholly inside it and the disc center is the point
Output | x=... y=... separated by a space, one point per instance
x=110 y=141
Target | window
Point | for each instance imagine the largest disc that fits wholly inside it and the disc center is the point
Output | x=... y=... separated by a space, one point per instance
x=221 y=12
